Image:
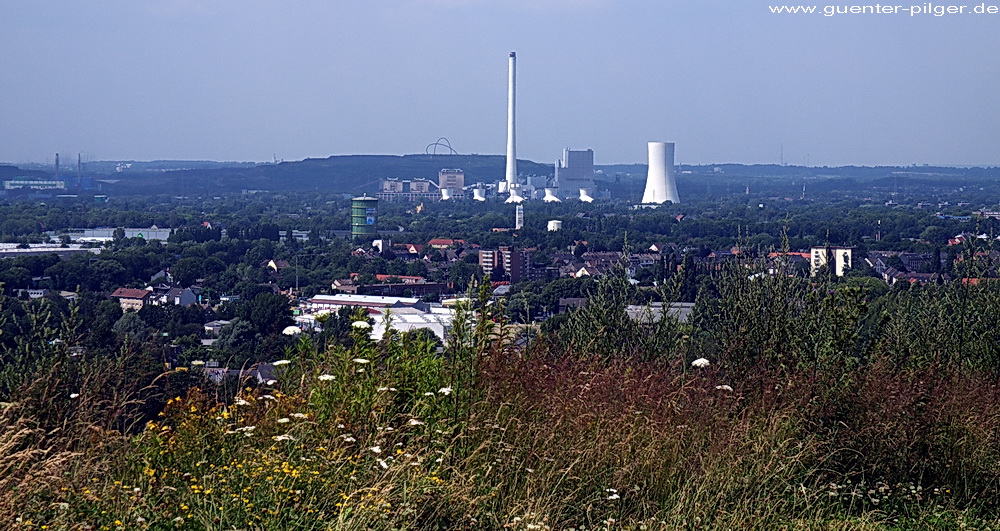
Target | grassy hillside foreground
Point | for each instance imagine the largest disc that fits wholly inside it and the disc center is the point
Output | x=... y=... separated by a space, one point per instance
x=816 y=408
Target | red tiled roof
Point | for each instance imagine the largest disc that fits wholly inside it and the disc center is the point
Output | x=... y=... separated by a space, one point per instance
x=130 y=293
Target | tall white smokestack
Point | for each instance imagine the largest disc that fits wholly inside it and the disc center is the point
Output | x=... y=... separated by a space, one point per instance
x=511 y=152
x=661 y=182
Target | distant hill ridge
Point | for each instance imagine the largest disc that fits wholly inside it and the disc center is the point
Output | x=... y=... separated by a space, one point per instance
x=340 y=173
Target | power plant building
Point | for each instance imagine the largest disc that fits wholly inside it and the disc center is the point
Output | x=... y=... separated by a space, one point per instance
x=574 y=172
x=453 y=181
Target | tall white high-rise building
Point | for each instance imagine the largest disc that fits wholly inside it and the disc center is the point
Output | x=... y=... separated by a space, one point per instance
x=661 y=179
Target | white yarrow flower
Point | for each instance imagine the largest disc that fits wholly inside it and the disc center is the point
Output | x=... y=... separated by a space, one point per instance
x=415 y=422
x=445 y=391
x=361 y=361
x=383 y=464
x=299 y=415
x=327 y=377
x=281 y=362
x=361 y=324
x=700 y=363
x=614 y=496
x=197 y=363
x=376 y=449
x=284 y=420
x=723 y=388
x=74 y=395
x=285 y=437
x=271 y=382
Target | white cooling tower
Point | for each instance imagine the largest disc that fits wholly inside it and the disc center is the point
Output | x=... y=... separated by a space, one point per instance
x=554 y=225
x=479 y=194
x=550 y=196
x=445 y=194
x=585 y=196
x=511 y=175
x=661 y=182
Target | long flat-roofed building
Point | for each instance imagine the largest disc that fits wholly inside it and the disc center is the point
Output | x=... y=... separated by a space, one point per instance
x=374 y=302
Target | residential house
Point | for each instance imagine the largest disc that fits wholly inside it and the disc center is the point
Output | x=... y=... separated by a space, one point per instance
x=277 y=265
x=591 y=271
x=214 y=328
x=132 y=299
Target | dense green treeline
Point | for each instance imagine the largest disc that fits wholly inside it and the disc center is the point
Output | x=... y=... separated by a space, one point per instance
x=716 y=224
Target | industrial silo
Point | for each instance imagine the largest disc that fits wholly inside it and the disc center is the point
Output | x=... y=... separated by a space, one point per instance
x=364 y=211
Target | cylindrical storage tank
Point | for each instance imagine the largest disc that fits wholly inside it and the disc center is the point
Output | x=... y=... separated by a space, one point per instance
x=364 y=211
x=554 y=225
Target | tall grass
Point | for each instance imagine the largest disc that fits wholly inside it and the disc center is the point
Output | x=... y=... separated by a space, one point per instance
x=820 y=408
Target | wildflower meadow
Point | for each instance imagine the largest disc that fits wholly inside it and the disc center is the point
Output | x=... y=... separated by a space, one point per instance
x=782 y=403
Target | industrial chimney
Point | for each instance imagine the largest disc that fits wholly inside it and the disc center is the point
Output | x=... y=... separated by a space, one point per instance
x=661 y=182
x=511 y=175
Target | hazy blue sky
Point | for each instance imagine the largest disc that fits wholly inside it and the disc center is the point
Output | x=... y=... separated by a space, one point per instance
x=727 y=80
